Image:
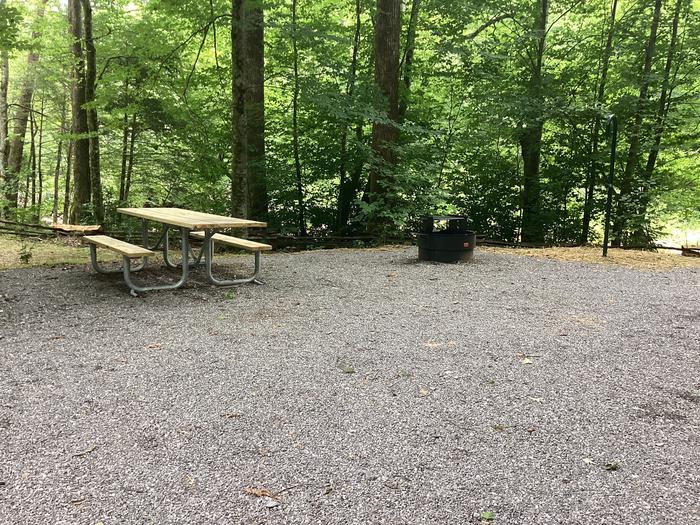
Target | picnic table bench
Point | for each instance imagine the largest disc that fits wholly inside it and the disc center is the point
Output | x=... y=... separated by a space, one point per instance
x=201 y=226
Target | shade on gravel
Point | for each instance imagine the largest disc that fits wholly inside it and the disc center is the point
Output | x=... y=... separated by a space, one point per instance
x=354 y=387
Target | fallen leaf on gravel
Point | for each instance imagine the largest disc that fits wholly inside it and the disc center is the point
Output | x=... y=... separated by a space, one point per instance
x=487 y=515
x=346 y=368
x=587 y=461
x=259 y=492
x=153 y=346
x=391 y=484
x=422 y=392
x=535 y=399
x=527 y=361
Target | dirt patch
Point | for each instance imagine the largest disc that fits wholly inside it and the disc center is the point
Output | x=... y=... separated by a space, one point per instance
x=643 y=260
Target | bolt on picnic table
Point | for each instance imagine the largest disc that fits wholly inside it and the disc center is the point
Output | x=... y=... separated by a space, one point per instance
x=187 y=222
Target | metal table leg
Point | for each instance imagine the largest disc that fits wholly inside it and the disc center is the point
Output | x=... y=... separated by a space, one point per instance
x=99 y=269
x=208 y=248
x=196 y=258
x=183 y=279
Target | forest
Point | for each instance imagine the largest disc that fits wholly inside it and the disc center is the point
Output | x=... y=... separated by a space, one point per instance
x=347 y=117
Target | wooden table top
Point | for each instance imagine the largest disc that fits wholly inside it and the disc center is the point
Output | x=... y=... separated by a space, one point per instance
x=193 y=220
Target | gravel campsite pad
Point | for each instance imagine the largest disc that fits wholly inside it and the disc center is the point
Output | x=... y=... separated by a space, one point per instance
x=354 y=387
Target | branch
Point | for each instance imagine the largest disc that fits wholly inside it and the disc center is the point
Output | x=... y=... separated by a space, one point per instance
x=566 y=12
x=194 y=65
x=486 y=25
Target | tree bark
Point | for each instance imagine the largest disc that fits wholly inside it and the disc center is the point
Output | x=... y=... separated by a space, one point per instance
x=40 y=173
x=67 y=189
x=255 y=112
x=248 y=178
x=125 y=148
x=592 y=176
x=16 y=152
x=130 y=163
x=57 y=169
x=386 y=75
x=408 y=60
x=295 y=124
x=624 y=204
x=346 y=188
x=93 y=124
x=31 y=176
x=81 y=145
x=240 y=203
x=532 y=229
x=4 y=83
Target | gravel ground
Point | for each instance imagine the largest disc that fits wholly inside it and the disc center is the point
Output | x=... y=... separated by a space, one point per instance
x=354 y=387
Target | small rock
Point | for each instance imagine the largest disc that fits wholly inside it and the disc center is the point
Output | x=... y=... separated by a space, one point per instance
x=270 y=503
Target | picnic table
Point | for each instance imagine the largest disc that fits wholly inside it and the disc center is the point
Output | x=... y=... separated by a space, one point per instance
x=202 y=226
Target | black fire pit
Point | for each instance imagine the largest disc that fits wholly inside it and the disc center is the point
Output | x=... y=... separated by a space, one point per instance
x=445 y=238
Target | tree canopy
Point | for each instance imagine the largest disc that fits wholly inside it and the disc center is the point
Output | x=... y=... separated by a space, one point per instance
x=346 y=116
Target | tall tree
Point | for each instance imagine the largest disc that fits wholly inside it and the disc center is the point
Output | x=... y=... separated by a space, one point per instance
x=348 y=187
x=93 y=126
x=599 y=99
x=21 y=116
x=385 y=134
x=664 y=106
x=624 y=200
x=295 y=121
x=79 y=129
x=59 y=156
x=4 y=83
x=408 y=59
x=248 y=179
x=530 y=138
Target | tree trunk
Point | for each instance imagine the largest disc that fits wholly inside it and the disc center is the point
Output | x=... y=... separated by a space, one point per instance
x=346 y=189
x=248 y=180
x=4 y=83
x=40 y=173
x=295 y=124
x=81 y=144
x=67 y=190
x=93 y=125
x=592 y=177
x=532 y=229
x=408 y=60
x=255 y=110
x=240 y=203
x=125 y=147
x=130 y=163
x=660 y=122
x=16 y=152
x=31 y=175
x=624 y=204
x=386 y=74
x=57 y=169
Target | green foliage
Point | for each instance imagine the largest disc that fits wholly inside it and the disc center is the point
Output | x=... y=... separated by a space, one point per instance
x=166 y=64
x=10 y=18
